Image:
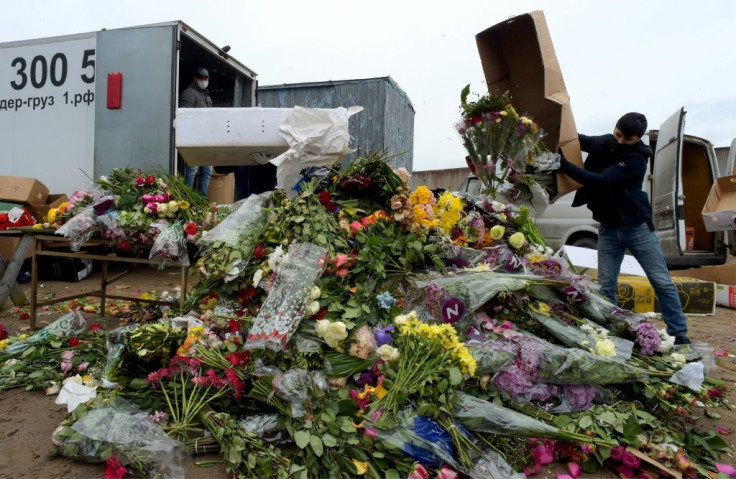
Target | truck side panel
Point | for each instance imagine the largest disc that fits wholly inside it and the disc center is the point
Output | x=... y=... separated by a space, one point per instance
x=47 y=102
x=139 y=134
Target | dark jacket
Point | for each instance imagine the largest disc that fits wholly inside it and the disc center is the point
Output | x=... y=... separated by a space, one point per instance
x=195 y=97
x=612 y=181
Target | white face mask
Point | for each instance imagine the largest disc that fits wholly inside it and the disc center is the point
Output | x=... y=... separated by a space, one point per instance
x=203 y=83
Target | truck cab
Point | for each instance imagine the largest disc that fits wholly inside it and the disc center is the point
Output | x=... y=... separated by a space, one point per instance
x=681 y=174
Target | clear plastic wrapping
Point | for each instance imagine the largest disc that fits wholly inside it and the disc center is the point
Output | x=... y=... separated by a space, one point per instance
x=71 y=324
x=287 y=301
x=169 y=246
x=133 y=435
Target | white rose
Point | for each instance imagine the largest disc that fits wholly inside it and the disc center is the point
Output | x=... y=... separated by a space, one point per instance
x=315 y=293
x=163 y=208
x=173 y=206
x=313 y=308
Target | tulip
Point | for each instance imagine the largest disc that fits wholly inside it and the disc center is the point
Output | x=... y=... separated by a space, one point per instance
x=542 y=455
x=624 y=471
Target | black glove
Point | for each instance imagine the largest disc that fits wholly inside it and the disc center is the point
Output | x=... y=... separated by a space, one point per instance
x=564 y=164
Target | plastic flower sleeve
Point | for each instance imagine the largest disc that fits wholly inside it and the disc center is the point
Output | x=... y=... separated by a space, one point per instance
x=80 y=228
x=266 y=427
x=455 y=298
x=422 y=439
x=247 y=220
x=133 y=434
x=575 y=337
x=169 y=246
x=115 y=350
x=491 y=465
x=287 y=301
x=298 y=387
x=479 y=415
x=71 y=324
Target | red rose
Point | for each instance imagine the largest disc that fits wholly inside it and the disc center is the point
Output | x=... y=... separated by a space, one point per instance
x=3 y=332
x=191 y=228
x=24 y=316
x=74 y=342
x=260 y=251
x=95 y=327
x=150 y=180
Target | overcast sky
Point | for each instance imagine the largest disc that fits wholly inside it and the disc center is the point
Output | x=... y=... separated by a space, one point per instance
x=648 y=56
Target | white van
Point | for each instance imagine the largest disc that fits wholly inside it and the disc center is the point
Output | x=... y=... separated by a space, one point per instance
x=681 y=174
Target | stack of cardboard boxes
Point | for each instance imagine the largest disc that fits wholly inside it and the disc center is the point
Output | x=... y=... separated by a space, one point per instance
x=29 y=194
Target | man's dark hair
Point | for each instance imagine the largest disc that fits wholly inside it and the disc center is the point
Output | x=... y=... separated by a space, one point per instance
x=632 y=124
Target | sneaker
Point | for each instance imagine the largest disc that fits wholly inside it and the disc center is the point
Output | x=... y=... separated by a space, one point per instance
x=682 y=340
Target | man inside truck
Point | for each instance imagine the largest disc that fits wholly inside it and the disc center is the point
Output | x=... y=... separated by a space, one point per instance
x=612 y=188
x=196 y=95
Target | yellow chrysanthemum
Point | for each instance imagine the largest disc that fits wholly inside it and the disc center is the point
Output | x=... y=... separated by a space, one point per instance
x=3 y=344
x=183 y=204
x=421 y=196
x=52 y=215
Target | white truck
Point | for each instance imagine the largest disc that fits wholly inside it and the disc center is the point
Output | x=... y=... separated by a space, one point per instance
x=682 y=172
x=73 y=107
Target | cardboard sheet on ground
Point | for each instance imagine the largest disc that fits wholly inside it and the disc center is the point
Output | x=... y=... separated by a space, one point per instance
x=585 y=258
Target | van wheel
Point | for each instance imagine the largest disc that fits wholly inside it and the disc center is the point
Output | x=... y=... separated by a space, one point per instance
x=587 y=242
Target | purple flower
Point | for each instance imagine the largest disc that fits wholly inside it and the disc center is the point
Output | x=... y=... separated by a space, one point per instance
x=647 y=337
x=383 y=335
x=574 y=294
x=579 y=397
x=367 y=377
x=513 y=380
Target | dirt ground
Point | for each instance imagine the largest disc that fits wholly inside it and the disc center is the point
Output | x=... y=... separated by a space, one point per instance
x=29 y=418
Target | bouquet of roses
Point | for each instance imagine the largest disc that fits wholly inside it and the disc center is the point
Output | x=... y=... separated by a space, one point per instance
x=500 y=143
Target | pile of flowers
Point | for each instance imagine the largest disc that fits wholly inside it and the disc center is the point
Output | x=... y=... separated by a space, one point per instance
x=366 y=328
x=137 y=210
x=16 y=217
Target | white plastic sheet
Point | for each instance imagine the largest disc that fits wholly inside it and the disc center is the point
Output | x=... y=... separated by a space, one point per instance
x=316 y=137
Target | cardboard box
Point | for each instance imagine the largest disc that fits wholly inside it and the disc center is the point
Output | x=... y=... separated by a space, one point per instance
x=726 y=295
x=221 y=189
x=53 y=201
x=721 y=274
x=719 y=212
x=18 y=189
x=636 y=294
x=517 y=56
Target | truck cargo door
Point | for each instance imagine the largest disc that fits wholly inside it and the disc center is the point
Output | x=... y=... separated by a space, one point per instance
x=667 y=198
x=730 y=160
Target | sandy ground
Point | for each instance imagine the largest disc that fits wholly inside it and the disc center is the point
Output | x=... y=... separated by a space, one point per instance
x=29 y=418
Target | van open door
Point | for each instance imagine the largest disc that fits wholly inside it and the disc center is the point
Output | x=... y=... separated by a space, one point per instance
x=667 y=198
x=730 y=160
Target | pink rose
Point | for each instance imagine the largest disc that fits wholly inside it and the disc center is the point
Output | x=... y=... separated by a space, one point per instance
x=66 y=366
x=624 y=470
x=82 y=366
x=419 y=472
x=542 y=455
x=617 y=453
x=446 y=472
x=726 y=469
x=631 y=460
x=574 y=469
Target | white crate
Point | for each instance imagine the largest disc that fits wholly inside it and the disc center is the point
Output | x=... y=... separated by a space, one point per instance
x=229 y=136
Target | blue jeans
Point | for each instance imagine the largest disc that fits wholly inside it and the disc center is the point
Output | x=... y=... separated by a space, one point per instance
x=644 y=245
x=205 y=172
